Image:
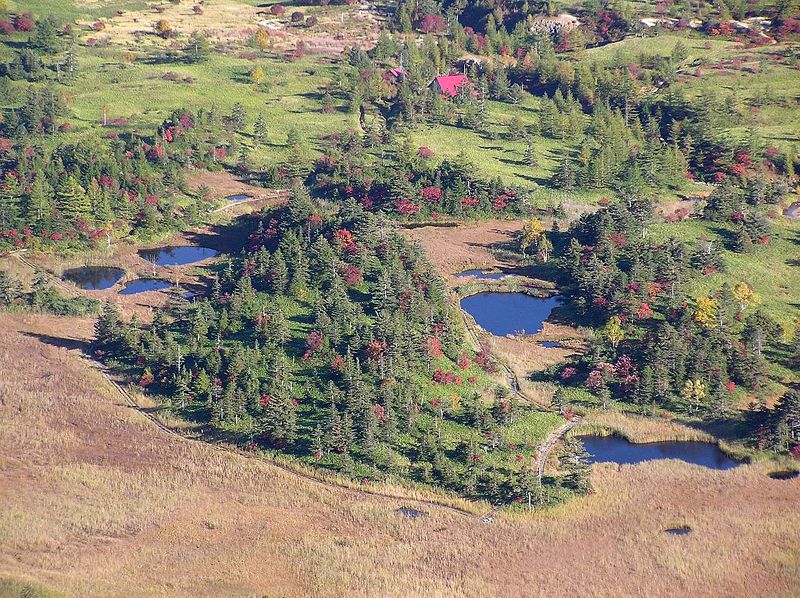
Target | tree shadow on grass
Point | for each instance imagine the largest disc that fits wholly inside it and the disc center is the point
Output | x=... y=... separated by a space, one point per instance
x=726 y=236
x=63 y=342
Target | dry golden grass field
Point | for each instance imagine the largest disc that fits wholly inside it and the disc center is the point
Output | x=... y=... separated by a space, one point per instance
x=95 y=500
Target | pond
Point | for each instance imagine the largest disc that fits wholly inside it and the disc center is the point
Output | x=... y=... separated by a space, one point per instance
x=793 y=211
x=680 y=530
x=508 y=313
x=145 y=284
x=550 y=344
x=94 y=278
x=603 y=449
x=239 y=197
x=482 y=275
x=177 y=256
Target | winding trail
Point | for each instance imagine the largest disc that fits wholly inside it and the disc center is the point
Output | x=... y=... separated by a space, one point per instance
x=215 y=445
x=55 y=279
x=542 y=453
x=551 y=441
x=278 y=196
x=513 y=381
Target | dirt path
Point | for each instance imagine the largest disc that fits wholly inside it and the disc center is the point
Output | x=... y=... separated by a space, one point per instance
x=551 y=441
x=55 y=279
x=273 y=198
x=131 y=401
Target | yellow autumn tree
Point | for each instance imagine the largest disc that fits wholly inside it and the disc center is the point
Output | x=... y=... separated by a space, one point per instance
x=705 y=312
x=613 y=331
x=261 y=38
x=531 y=233
x=744 y=294
x=163 y=28
x=694 y=391
x=257 y=75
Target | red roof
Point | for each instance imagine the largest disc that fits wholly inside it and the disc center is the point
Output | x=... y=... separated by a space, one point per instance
x=450 y=84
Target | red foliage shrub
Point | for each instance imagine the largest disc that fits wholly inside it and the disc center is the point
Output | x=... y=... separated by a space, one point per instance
x=344 y=239
x=431 y=23
x=433 y=347
x=425 y=153
x=406 y=207
x=375 y=349
x=313 y=343
x=431 y=194
x=501 y=202
x=24 y=22
x=146 y=379
x=645 y=312
x=351 y=274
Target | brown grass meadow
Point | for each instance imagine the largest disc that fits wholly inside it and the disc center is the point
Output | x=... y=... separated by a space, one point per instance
x=95 y=500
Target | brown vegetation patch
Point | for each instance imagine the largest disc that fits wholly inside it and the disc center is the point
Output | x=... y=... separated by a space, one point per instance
x=97 y=501
x=458 y=248
x=639 y=429
x=228 y=23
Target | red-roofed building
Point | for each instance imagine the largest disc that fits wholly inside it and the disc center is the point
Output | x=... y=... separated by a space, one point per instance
x=448 y=85
x=395 y=74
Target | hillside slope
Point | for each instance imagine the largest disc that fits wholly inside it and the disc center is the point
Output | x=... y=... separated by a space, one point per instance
x=97 y=501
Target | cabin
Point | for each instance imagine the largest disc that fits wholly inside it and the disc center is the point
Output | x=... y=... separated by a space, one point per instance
x=449 y=85
x=394 y=75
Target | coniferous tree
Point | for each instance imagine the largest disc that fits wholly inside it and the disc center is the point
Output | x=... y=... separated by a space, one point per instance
x=73 y=204
x=575 y=461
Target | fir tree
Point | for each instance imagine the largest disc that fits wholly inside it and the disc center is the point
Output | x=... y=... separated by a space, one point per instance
x=73 y=204
x=260 y=130
x=575 y=462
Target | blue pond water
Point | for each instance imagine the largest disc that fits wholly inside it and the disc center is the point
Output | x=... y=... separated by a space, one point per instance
x=682 y=530
x=239 y=197
x=144 y=284
x=94 y=278
x=482 y=275
x=605 y=449
x=177 y=256
x=507 y=313
x=550 y=344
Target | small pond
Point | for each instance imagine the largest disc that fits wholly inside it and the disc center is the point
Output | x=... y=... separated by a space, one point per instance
x=482 y=275
x=550 y=344
x=680 y=530
x=177 y=256
x=145 y=284
x=603 y=449
x=508 y=313
x=94 y=278
x=239 y=197
x=793 y=211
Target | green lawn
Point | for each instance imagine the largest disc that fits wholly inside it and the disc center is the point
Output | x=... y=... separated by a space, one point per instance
x=67 y=10
x=773 y=270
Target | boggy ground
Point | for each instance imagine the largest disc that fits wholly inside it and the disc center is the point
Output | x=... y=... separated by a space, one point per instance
x=454 y=249
x=97 y=501
x=125 y=255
